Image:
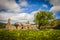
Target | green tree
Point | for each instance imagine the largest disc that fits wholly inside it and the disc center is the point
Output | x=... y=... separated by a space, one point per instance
x=43 y=18
x=53 y=23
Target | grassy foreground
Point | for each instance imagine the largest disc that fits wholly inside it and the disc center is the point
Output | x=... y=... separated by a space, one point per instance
x=30 y=35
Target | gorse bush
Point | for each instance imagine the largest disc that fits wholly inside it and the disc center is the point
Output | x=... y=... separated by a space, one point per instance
x=29 y=34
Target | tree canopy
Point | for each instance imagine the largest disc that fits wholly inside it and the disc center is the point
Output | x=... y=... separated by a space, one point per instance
x=43 y=18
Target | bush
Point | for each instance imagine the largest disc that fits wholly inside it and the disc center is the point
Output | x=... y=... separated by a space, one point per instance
x=29 y=34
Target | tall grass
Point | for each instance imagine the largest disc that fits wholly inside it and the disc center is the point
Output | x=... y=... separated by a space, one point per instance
x=29 y=34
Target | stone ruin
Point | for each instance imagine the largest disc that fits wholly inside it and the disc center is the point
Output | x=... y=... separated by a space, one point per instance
x=20 y=26
x=9 y=25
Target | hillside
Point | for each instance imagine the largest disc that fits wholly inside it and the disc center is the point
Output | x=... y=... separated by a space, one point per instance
x=2 y=25
x=58 y=21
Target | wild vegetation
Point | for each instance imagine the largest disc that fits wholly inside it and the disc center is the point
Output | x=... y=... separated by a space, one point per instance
x=43 y=18
x=30 y=35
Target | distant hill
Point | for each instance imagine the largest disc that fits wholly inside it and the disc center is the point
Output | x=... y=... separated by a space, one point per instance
x=58 y=24
x=2 y=25
x=58 y=21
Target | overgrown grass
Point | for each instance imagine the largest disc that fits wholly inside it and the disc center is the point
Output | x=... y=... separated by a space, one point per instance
x=29 y=34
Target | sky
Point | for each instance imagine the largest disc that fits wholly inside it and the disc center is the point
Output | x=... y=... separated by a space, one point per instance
x=24 y=10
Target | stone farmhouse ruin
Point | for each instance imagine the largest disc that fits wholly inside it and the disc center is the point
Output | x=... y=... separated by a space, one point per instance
x=20 y=26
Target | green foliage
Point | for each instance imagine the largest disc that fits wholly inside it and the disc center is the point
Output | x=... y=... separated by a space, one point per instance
x=43 y=18
x=53 y=23
x=30 y=35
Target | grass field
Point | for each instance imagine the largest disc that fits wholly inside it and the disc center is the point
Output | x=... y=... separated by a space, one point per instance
x=29 y=34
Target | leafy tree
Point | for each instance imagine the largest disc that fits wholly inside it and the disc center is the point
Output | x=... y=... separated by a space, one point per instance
x=43 y=18
x=53 y=23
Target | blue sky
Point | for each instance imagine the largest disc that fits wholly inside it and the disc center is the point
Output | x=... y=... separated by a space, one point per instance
x=22 y=10
x=34 y=5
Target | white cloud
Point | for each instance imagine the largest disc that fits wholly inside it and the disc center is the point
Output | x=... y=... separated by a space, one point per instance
x=56 y=5
x=23 y=3
x=18 y=17
x=10 y=5
x=44 y=5
x=13 y=8
x=55 y=9
x=55 y=2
